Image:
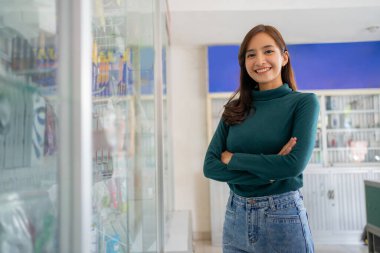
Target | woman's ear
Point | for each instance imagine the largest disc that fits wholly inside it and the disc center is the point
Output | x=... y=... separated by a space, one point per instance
x=285 y=57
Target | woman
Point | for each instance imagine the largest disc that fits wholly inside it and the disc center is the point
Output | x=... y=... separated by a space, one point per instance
x=261 y=147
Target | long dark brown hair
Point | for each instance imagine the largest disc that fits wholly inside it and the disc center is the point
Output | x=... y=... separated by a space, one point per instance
x=238 y=107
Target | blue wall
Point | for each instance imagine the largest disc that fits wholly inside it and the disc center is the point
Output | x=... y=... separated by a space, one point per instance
x=316 y=66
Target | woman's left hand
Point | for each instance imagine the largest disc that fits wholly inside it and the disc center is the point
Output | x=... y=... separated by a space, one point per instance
x=226 y=157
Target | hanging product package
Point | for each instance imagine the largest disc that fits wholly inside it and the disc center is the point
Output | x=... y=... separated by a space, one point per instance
x=16 y=232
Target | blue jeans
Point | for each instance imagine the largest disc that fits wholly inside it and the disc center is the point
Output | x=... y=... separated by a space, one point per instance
x=269 y=224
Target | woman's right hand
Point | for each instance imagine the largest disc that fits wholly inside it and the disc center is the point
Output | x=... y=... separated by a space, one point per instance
x=288 y=146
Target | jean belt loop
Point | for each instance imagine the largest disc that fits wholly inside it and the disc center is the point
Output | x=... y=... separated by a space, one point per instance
x=230 y=198
x=271 y=203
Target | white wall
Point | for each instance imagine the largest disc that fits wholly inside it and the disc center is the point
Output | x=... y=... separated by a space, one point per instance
x=220 y=22
x=227 y=5
x=187 y=111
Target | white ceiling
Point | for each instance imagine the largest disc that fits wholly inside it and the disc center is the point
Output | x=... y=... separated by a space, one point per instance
x=216 y=22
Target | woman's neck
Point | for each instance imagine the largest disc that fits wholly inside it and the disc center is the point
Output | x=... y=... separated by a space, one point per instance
x=269 y=86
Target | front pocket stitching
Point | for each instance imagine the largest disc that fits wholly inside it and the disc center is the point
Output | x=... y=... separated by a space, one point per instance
x=285 y=218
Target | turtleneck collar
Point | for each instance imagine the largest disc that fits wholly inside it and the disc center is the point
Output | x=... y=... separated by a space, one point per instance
x=271 y=94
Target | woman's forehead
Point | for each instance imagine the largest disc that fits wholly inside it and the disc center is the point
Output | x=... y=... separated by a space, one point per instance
x=261 y=40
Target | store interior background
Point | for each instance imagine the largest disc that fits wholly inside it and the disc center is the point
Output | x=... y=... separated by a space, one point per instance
x=164 y=113
x=197 y=24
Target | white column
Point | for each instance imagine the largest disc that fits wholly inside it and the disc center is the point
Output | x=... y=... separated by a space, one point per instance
x=75 y=137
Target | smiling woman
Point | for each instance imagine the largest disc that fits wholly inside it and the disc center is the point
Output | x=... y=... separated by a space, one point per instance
x=264 y=60
x=260 y=149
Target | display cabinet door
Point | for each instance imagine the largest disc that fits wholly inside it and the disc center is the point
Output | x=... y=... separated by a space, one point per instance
x=125 y=147
x=319 y=200
x=28 y=127
x=349 y=191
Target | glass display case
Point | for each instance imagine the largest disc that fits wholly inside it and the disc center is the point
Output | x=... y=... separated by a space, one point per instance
x=126 y=102
x=28 y=127
x=48 y=119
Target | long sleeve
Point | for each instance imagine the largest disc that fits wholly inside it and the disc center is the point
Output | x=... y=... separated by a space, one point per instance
x=278 y=167
x=215 y=169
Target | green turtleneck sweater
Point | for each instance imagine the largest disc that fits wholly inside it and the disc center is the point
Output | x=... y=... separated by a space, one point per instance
x=255 y=168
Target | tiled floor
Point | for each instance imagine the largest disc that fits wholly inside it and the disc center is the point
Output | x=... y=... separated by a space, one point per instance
x=206 y=247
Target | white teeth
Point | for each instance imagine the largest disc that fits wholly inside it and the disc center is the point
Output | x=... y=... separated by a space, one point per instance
x=262 y=70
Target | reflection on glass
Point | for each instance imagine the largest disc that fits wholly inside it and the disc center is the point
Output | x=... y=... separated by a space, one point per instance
x=28 y=127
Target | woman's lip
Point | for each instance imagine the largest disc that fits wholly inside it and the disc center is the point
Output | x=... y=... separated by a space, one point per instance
x=262 y=70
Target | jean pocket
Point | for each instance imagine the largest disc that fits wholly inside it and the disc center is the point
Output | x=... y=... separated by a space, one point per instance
x=285 y=233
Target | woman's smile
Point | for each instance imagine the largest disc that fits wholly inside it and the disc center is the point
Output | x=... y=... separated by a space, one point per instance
x=262 y=70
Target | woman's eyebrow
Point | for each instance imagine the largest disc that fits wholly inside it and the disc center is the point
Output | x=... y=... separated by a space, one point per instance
x=267 y=46
x=264 y=47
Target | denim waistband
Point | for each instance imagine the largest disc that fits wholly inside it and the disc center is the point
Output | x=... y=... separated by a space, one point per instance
x=264 y=201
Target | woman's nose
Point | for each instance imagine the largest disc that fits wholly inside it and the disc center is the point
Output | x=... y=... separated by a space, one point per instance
x=260 y=59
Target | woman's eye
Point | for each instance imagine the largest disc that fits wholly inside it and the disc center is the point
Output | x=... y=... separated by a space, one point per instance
x=268 y=51
x=250 y=55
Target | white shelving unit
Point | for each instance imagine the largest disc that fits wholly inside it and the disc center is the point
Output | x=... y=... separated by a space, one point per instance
x=347 y=152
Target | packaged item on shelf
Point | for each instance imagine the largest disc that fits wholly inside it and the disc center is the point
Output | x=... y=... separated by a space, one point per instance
x=109 y=72
x=112 y=190
x=347 y=121
x=30 y=56
x=41 y=57
x=317 y=139
x=16 y=51
x=106 y=75
x=16 y=123
x=50 y=143
x=358 y=151
x=122 y=89
x=38 y=130
x=113 y=243
x=335 y=103
x=335 y=121
x=128 y=71
x=43 y=240
x=27 y=223
x=15 y=232
x=121 y=186
x=39 y=62
x=94 y=67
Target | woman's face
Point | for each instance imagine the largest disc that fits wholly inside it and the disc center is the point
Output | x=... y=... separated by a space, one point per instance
x=264 y=60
